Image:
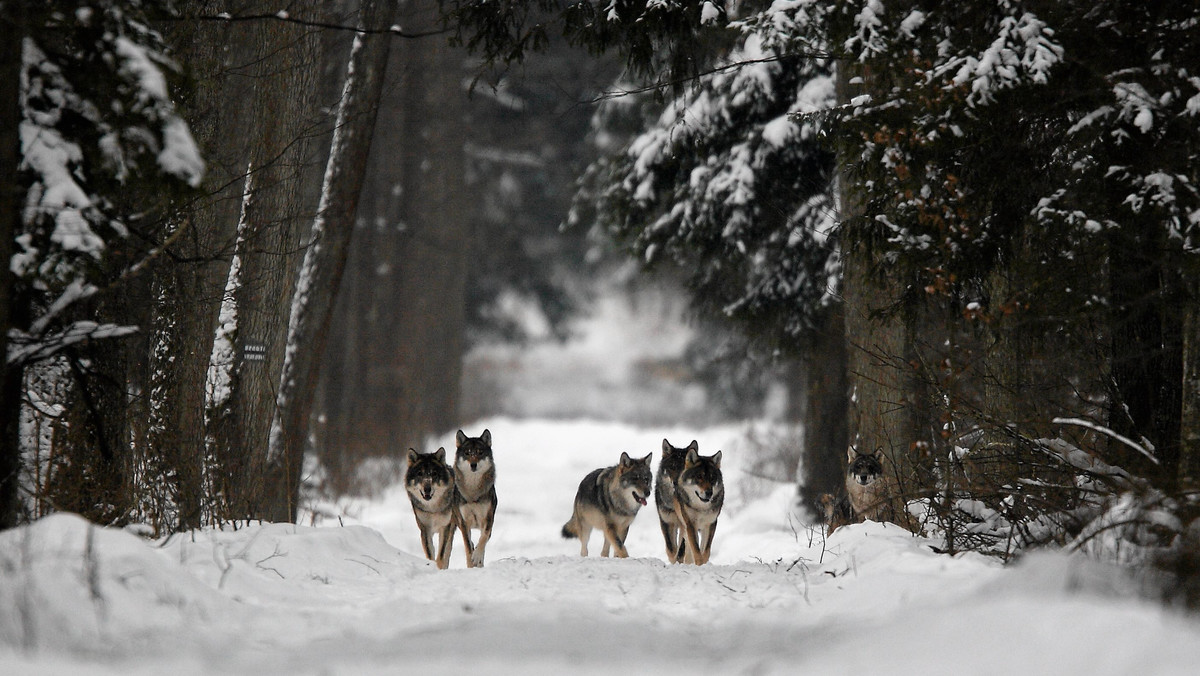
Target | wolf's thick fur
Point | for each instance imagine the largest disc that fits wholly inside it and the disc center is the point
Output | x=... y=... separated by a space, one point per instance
x=699 y=496
x=669 y=468
x=865 y=486
x=608 y=499
x=475 y=492
x=430 y=485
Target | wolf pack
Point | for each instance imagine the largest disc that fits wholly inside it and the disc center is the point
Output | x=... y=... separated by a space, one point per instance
x=688 y=489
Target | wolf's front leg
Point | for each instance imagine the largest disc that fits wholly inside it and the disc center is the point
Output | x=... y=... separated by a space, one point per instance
x=709 y=533
x=467 y=545
x=618 y=544
x=689 y=535
x=670 y=532
x=426 y=540
x=485 y=534
x=477 y=554
x=445 y=545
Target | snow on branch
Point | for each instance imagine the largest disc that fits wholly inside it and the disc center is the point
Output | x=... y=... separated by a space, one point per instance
x=1108 y=433
x=24 y=348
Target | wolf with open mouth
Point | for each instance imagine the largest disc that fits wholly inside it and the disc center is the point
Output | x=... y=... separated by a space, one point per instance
x=608 y=499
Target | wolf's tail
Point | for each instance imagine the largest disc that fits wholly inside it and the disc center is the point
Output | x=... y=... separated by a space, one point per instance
x=570 y=529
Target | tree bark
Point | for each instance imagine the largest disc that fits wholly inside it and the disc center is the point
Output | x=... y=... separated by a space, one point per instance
x=882 y=414
x=1189 y=433
x=12 y=21
x=399 y=337
x=422 y=344
x=191 y=283
x=324 y=261
x=825 y=410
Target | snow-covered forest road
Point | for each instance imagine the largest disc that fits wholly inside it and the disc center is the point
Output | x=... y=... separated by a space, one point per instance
x=357 y=597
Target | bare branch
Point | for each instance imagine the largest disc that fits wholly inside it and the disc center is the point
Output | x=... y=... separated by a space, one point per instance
x=287 y=18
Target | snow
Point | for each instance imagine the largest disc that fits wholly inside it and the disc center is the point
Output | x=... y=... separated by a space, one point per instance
x=180 y=156
x=357 y=598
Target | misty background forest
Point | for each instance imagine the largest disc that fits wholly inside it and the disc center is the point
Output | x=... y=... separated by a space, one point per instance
x=259 y=248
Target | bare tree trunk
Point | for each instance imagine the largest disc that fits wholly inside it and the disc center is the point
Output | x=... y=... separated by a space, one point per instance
x=12 y=22
x=325 y=259
x=1189 y=433
x=425 y=336
x=401 y=313
x=825 y=410
x=190 y=285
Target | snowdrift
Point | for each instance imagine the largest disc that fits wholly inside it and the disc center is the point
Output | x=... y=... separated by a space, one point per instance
x=354 y=599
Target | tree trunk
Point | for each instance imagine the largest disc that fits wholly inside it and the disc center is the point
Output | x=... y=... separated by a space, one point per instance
x=401 y=313
x=1189 y=433
x=1147 y=347
x=882 y=414
x=12 y=21
x=425 y=338
x=325 y=259
x=190 y=288
x=825 y=411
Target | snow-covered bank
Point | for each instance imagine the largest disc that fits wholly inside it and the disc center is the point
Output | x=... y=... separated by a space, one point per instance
x=358 y=599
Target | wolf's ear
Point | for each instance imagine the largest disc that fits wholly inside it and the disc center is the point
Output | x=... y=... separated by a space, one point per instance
x=851 y=452
x=486 y=438
x=459 y=439
x=716 y=458
x=625 y=459
x=646 y=460
x=412 y=455
x=693 y=446
x=666 y=447
x=440 y=454
x=692 y=458
x=878 y=454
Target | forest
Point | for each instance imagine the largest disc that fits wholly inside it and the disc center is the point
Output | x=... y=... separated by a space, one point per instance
x=251 y=243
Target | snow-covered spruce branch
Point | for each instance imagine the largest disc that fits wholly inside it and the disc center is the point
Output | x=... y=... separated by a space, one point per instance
x=734 y=65
x=1108 y=433
x=24 y=348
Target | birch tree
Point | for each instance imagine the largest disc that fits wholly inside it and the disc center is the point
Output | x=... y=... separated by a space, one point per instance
x=324 y=260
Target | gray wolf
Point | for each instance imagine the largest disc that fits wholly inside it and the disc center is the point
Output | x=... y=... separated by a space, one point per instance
x=669 y=468
x=864 y=497
x=475 y=492
x=608 y=499
x=699 y=496
x=430 y=485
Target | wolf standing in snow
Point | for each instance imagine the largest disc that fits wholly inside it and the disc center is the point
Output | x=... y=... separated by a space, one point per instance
x=430 y=485
x=608 y=499
x=699 y=496
x=669 y=469
x=475 y=492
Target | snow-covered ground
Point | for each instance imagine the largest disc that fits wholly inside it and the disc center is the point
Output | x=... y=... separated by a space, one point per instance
x=357 y=598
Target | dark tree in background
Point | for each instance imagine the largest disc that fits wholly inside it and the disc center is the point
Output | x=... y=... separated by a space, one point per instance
x=393 y=361
x=467 y=187
x=994 y=159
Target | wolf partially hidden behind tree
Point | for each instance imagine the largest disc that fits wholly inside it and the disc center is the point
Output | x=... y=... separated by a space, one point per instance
x=865 y=494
